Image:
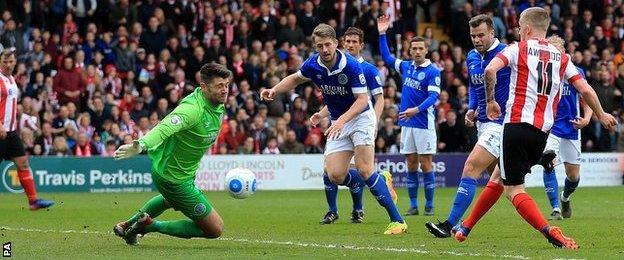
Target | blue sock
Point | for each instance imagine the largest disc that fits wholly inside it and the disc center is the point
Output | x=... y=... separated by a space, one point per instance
x=463 y=199
x=412 y=188
x=552 y=188
x=378 y=188
x=569 y=187
x=331 y=193
x=357 y=191
x=429 y=181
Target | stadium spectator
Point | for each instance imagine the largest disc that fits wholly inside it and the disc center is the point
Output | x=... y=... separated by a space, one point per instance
x=291 y=145
x=60 y=147
x=148 y=43
x=452 y=137
x=271 y=147
x=314 y=146
x=248 y=146
x=84 y=147
x=68 y=83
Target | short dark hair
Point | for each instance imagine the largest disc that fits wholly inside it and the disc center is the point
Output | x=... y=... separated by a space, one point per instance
x=213 y=70
x=355 y=31
x=482 y=18
x=419 y=39
x=8 y=52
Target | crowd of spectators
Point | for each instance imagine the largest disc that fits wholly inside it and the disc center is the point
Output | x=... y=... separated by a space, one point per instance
x=95 y=74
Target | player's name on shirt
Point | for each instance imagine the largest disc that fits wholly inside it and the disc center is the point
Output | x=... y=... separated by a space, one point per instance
x=542 y=53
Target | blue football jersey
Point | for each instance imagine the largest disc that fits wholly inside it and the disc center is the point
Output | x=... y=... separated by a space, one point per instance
x=476 y=67
x=567 y=110
x=420 y=87
x=338 y=84
x=373 y=80
x=417 y=82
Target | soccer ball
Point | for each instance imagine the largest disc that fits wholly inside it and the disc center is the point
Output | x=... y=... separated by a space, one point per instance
x=240 y=183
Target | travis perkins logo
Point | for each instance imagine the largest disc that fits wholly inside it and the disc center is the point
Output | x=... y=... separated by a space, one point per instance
x=10 y=179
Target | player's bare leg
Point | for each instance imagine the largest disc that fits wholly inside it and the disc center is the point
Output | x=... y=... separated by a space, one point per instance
x=27 y=182
x=530 y=212
x=378 y=184
x=571 y=182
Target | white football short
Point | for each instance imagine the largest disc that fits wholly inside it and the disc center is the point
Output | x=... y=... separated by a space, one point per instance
x=568 y=151
x=419 y=141
x=359 y=131
x=489 y=137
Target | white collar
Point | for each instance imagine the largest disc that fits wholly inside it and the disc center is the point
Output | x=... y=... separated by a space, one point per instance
x=424 y=64
x=342 y=63
x=494 y=45
x=360 y=59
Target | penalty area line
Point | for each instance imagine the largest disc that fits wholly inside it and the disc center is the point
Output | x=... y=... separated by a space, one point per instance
x=288 y=243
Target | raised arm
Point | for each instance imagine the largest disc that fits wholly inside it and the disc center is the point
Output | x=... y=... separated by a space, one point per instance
x=383 y=22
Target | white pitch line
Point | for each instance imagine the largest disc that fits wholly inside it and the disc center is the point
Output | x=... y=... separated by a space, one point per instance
x=289 y=243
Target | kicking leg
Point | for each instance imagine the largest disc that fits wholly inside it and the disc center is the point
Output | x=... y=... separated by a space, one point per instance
x=478 y=160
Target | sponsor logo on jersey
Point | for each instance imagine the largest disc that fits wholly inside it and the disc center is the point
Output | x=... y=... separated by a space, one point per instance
x=421 y=76
x=342 y=79
x=175 y=120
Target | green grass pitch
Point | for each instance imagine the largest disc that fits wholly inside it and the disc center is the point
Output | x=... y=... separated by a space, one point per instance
x=284 y=224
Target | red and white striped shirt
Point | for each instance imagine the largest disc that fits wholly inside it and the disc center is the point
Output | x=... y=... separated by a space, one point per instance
x=537 y=72
x=8 y=102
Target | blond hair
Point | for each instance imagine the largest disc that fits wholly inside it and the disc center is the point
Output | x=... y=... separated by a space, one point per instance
x=536 y=17
x=557 y=42
x=324 y=30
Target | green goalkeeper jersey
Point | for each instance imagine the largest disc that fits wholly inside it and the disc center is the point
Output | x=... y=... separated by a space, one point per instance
x=177 y=144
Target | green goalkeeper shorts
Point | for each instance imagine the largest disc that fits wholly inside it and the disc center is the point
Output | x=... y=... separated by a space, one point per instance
x=184 y=197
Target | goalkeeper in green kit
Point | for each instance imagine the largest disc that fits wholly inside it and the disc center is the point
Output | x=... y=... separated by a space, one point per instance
x=175 y=147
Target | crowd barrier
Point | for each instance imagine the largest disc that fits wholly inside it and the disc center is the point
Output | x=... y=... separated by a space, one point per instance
x=273 y=172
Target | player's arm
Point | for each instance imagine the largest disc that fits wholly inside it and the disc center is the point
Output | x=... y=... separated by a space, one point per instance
x=473 y=103
x=492 y=108
x=379 y=105
x=357 y=83
x=315 y=119
x=383 y=22
x=288 y=83
x=376 y=90
x=590 y=97
x=3 y=132
x=433 y=90
x=361 y=101
x=587 y=115
x=182 y=117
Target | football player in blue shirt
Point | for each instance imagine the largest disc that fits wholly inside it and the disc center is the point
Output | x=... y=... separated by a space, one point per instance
x=564 y=142
x=419 y=92
x=353 y=126
x=486 y=152
x=354 y=43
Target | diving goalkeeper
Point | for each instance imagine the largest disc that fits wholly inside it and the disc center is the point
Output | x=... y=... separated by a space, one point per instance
x=175 y=147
